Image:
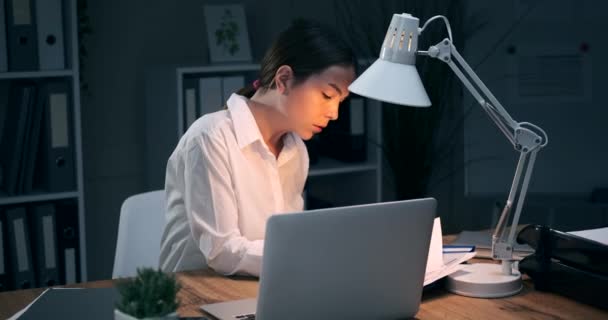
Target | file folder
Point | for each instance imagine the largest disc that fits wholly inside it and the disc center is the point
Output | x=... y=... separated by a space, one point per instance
x=27 y=104
x=66 y=217
x=210 y=91
x=20 y=255
x=56 y=172
x=231 y=85
x=33 y=141
x=32 y=129
x=12 y=145
x=4 y=285
x=44 y=242
x=21 y=34
x=190 y=101
x=51 y=49
x=3 y=47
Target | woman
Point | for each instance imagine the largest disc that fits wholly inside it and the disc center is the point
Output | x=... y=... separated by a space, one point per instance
x=235 y=168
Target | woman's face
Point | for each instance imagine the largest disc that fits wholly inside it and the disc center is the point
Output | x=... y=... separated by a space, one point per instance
x=311 y=104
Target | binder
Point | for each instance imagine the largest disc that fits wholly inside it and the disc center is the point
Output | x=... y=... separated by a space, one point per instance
x=20 y=254
x=357 y=117
x=358 y=136
x=33 y=142
x=210 y=91
x=190 y=101
x=15 y=125
x=26 y=135
x=32 y=129
x=66 y=218
x=21 y=34
x=56 y=170
x=4 y=285
x=51 y=49
x=44 y=244
x=3 y=47
x=231 y=85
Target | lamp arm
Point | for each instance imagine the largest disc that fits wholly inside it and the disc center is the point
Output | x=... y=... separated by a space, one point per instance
x=526 y=138
x=446 y=52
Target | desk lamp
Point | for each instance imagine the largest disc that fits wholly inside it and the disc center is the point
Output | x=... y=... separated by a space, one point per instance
x=393 y=78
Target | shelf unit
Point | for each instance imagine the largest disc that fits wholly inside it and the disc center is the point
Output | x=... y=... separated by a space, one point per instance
x=165 y=125
x=71 y=74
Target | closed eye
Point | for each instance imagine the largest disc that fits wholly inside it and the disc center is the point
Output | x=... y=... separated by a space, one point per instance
x=327 y=97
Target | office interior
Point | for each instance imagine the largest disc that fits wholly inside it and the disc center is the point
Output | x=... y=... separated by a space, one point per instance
x=542 y=59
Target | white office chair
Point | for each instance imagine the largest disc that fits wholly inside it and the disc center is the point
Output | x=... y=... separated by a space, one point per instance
x=142 y=219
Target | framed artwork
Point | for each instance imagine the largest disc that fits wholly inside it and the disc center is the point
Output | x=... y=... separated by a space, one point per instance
x=227 y=35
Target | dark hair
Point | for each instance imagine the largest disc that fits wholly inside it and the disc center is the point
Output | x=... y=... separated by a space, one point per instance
x=308 y=47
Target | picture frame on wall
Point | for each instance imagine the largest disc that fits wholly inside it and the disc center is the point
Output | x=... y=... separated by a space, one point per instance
x=227 y=36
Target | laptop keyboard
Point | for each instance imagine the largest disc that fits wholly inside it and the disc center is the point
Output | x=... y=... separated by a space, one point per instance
x=246 y=317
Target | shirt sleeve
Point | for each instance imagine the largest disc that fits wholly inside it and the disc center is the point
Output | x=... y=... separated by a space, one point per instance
x=212 y=210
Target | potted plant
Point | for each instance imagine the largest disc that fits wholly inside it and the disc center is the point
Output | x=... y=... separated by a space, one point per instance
x=152 y=294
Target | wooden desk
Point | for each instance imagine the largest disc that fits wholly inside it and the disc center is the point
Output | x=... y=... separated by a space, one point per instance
x=205 y=286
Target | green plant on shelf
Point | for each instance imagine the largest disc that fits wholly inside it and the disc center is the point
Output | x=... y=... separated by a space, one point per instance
x=152 y=293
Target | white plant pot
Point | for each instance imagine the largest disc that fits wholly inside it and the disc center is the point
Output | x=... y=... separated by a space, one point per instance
x=119 y=315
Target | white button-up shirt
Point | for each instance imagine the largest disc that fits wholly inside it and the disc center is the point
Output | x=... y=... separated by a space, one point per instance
x=222 y=184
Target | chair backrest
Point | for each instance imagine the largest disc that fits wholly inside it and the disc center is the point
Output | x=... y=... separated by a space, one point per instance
x=142 y=219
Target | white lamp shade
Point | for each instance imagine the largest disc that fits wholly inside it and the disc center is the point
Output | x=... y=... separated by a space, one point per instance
x=393 y=83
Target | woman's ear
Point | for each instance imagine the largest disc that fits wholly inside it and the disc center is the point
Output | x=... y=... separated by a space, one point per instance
x=283 y=79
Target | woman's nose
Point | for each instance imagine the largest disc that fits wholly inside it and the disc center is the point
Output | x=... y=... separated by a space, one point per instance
x=333 y=112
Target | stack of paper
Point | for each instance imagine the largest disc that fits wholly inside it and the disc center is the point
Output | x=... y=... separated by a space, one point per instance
x=482 y=240
x=440 y=264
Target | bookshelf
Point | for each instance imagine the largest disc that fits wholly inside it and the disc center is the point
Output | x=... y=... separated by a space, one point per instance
x=329 y=179
x=70 y=76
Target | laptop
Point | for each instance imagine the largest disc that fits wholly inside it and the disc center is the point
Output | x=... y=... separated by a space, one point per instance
x=357 y=262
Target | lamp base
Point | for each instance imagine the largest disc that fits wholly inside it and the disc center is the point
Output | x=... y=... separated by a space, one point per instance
x=484 y=280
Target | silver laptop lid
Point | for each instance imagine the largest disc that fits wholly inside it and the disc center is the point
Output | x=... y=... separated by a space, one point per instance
x=359 y=262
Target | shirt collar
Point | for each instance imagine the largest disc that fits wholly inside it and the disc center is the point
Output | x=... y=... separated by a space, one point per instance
x=245 y=127
x=247 y=131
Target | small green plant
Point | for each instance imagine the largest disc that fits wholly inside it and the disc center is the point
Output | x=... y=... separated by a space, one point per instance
x=227 y=33
x=152 y=293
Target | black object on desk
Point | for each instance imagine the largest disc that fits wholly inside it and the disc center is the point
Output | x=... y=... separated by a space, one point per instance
x=90 y=303
x=66 y=304
x=566 y=264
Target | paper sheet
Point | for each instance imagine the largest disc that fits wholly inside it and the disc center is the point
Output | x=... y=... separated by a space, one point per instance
x=441 y=264
x=600 y=235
